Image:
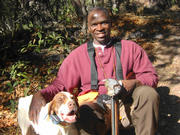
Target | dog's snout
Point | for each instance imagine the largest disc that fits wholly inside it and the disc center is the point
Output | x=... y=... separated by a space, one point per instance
x=71 y=105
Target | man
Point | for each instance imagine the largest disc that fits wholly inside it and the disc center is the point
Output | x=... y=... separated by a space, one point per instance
x=75 y=73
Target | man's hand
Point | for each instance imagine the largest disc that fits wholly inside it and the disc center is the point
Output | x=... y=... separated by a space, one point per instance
x=113 y=87
x=121 y=88
x=130 y=85
x=37 y=102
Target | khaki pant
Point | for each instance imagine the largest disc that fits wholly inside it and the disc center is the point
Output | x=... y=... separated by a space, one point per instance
x=144 y=110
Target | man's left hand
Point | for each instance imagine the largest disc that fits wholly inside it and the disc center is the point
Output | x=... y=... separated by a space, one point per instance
x=130 y=85
x=122 y=87
x=113 y=87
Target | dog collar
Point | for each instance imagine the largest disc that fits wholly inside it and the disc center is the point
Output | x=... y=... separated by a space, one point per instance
x=56 y=120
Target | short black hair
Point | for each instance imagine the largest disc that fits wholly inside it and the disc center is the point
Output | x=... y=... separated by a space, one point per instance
x=99 y=9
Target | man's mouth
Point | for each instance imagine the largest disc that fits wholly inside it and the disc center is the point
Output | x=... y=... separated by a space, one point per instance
x=100 y=35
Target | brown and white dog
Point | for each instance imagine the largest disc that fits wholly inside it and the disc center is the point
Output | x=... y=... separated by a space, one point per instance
x=56 y=117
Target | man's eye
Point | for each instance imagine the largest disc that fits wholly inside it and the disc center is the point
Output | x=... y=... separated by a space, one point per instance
x=105 y=23
x=94 y=25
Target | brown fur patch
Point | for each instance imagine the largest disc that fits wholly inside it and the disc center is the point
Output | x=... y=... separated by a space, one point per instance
x=57 y=101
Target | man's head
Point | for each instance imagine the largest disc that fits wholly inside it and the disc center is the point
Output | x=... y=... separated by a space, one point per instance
x=99 y=25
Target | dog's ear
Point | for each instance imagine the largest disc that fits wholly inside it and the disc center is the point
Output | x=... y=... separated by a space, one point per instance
x=51 y=109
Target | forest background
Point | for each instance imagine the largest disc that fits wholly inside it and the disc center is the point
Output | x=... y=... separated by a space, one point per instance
x=36 y=36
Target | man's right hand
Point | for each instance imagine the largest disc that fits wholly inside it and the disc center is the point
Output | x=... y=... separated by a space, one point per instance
x=37 y=102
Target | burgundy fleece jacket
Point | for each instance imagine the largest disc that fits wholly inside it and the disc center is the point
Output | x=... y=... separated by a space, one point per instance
x=75 y=71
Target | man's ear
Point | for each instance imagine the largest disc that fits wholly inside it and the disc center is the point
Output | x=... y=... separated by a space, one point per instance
x=89 y=30
x=110 y=23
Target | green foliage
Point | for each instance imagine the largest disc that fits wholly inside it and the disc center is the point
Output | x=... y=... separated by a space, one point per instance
x=18 y=75
x=11 y=86
x=26 y=91
x=115 y=11
x=16 y=14
x=16 y=70
x=53 y=39
x=13 y=105
x=41 y=40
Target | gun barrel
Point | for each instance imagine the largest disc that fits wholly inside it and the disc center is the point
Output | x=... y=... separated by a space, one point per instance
x=114 y=116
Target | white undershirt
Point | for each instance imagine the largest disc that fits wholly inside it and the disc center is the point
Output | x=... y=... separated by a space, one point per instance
x=101 y=46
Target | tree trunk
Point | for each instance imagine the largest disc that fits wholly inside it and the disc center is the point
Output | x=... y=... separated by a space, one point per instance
x=80 y=8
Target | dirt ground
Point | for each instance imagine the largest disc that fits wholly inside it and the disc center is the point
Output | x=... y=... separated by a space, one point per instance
x=160 y=36
x=167 y=64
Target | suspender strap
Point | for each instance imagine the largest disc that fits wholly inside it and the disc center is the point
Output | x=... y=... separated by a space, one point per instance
x=119 y=73
x=94 y=75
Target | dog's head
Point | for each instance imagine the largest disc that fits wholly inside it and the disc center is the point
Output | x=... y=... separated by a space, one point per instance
x=64 y=106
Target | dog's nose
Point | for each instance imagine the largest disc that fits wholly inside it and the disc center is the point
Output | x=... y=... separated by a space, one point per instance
x=71 y=104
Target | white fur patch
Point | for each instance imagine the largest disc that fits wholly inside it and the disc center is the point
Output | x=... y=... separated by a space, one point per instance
x=45 y=126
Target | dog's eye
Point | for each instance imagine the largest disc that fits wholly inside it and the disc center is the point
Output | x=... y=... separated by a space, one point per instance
x=61 y=99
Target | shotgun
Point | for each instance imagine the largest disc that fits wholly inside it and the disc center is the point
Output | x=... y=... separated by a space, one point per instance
x=114 y=116
x=114 y=89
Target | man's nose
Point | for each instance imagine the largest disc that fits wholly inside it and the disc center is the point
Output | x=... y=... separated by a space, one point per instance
x=99 y=27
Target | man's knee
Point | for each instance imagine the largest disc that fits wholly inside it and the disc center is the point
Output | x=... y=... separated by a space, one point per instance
x=146 y=92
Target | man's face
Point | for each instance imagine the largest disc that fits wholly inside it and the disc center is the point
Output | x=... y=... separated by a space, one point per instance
x=99 y=26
